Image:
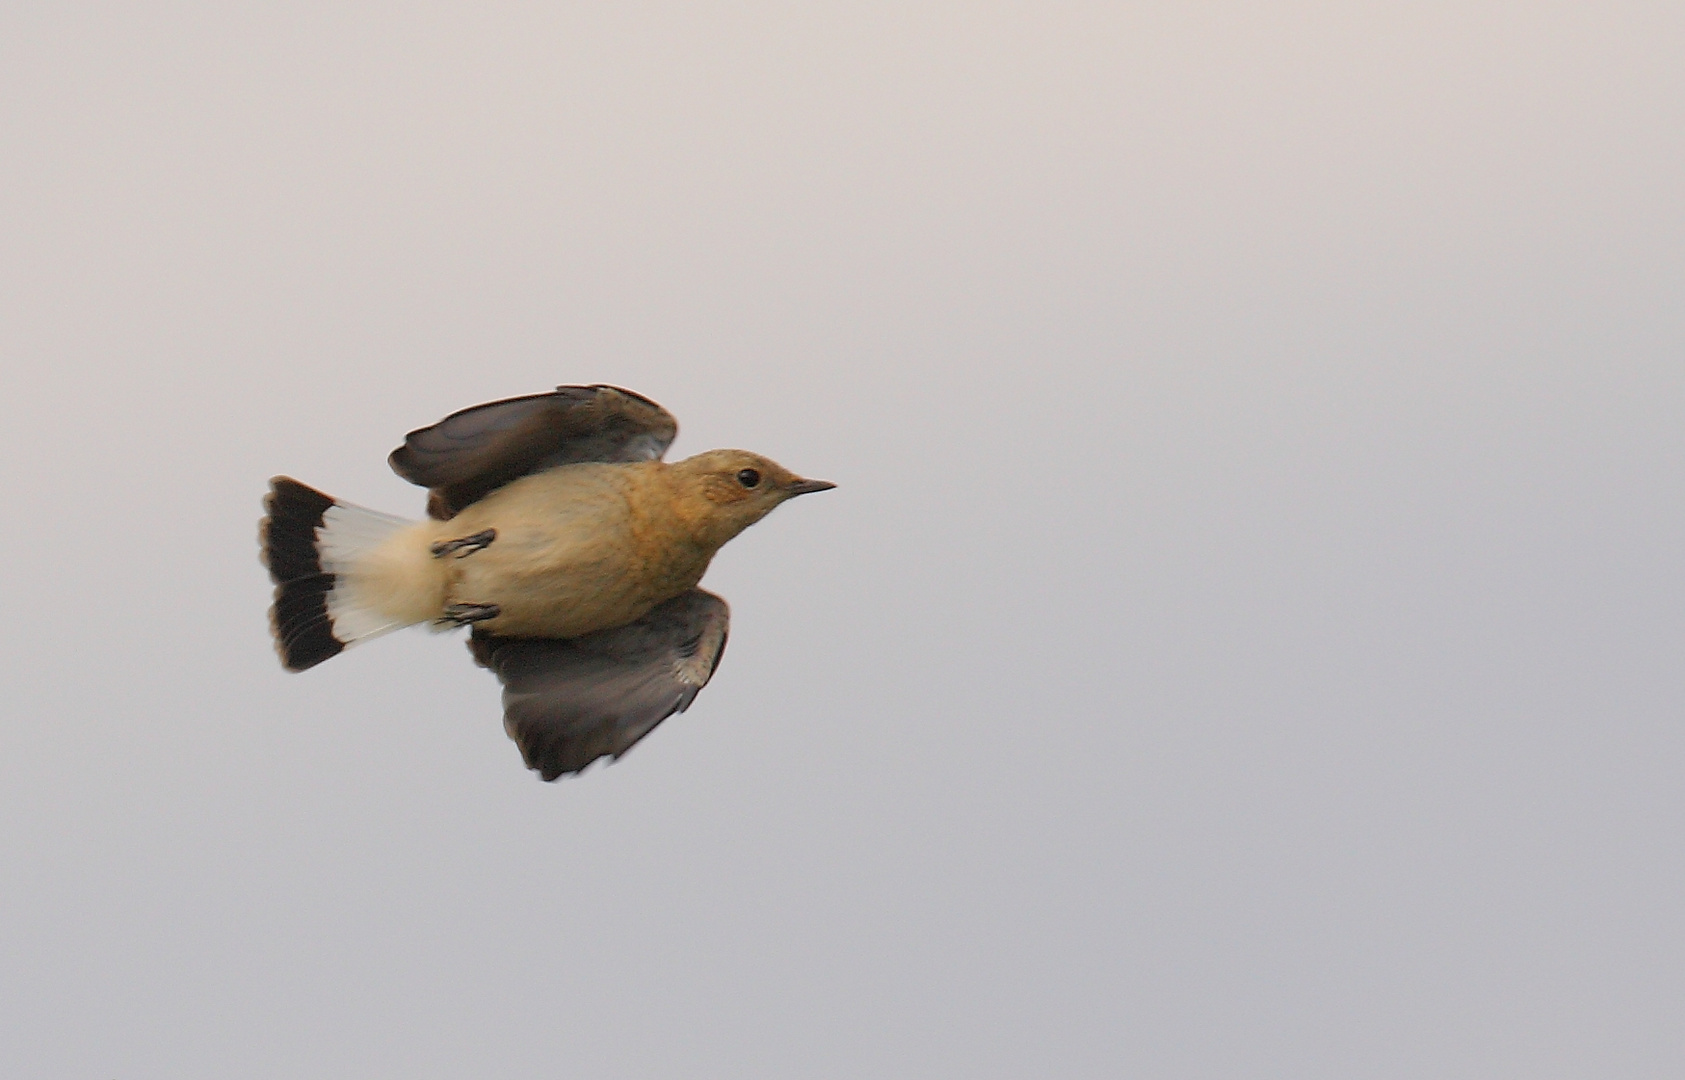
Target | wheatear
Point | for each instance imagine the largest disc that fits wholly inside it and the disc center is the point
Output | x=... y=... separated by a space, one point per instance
x=559 y=535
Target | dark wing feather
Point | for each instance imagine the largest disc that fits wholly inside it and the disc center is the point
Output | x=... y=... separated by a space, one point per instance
x=471 y=453
x=567 y=703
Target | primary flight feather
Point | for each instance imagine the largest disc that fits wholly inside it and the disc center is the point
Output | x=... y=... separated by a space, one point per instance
x=559 y=535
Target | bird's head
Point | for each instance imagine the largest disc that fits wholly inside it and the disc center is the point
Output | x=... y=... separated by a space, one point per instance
x=726 y=491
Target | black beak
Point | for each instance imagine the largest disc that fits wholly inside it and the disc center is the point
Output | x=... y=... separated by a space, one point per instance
x=807 y=487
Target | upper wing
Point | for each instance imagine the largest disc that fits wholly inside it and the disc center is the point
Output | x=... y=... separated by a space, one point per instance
x=568 y=702
x=471 y=453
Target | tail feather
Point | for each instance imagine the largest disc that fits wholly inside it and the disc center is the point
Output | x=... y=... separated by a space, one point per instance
x=310 y=541
x=299 y=620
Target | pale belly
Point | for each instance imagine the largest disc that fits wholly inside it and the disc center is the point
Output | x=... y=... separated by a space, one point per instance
x=564 y=562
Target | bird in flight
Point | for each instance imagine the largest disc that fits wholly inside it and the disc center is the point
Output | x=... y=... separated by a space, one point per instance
x=559 y=536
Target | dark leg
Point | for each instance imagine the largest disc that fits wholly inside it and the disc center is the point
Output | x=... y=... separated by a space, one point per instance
x=464 y=547
x=463 y=614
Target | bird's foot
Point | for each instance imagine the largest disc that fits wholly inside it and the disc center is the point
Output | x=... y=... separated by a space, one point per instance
x=465 y=546
x=463 y=614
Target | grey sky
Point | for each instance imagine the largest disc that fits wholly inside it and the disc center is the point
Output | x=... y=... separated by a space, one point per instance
x=1245 y=642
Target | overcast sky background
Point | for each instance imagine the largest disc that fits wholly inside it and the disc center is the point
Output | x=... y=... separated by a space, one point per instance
x=1245 y=642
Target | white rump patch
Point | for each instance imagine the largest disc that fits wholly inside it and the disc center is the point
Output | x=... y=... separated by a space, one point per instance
x=354 y=545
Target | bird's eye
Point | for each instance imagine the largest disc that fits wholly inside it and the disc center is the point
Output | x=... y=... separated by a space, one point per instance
x=748 y=478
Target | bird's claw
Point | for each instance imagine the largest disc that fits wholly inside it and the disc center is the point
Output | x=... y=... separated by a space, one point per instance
x=464 y=614
x=465 y=546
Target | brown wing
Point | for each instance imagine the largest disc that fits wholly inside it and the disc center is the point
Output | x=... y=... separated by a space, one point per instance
x=471 y=453
x=568 y=702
